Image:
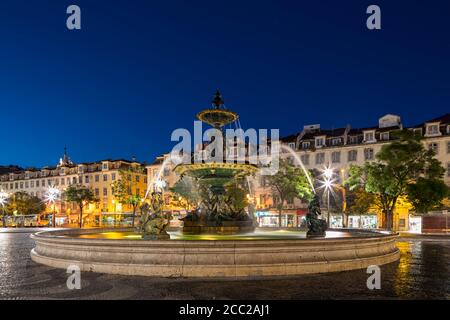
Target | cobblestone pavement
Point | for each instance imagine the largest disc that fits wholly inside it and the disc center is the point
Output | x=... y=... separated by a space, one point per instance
x=422 y=272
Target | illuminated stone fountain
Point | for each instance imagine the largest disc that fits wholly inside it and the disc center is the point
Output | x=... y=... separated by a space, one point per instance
x=216 y=241
x=216 y=215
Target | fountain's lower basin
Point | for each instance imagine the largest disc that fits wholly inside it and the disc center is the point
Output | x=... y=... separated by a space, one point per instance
x=257 y=254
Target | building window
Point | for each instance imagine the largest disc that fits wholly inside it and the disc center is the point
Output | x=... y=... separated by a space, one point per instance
x=105 y=166
x=434 y=146
x=145 y=179
x=352 y=155
x=291 y=145
x=448 y=147
x=37 y=183
x=320 y=158
x=97 y=178
x=306 y=145
x=113 y=176
x=335 y=141
x=32 y=184
x=262 y=182
x=63 y=181
x=336 y=157
x=86 y=179
x=138 y=179
x=432 y=129
x=319 y=142
x=368 y=154
x=26 y=184
x=97 y=192
x=305 y=159
x=105 y=192
x=369 y=136
x=105 y=177
x=384 y=136
x=353 y=139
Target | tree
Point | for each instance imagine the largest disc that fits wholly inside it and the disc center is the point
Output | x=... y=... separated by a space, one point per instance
x=125 y=191
x=427 y=194
x=397 y=166
x=288 y=183
x=360 y=201
x=187 y=188
x=25 y=204
x=80 y=195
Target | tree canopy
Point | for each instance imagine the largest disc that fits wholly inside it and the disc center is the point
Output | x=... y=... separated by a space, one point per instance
x=289 y=182
x=24 y=204
x=80 y=195
x=427 y=194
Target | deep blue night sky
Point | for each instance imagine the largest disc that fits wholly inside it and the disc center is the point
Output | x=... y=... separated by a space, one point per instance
x=139 y=69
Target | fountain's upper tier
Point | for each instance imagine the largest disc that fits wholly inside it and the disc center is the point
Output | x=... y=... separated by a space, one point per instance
x=217 y=116
x=216 y=173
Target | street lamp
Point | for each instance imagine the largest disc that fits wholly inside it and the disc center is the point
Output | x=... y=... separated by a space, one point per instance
x=3 y=198
x=328 y=173
x=344 y=199
x=51 y=196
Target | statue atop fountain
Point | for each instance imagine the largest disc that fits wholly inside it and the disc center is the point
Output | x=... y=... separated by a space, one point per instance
x=316 y=226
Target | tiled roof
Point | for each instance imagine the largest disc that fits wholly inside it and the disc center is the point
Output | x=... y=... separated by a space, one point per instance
x=443 y=119
x=10 y=169
x=290 y=138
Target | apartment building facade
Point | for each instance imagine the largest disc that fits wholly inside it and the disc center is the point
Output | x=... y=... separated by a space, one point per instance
x=341 y=148
x=98 y=176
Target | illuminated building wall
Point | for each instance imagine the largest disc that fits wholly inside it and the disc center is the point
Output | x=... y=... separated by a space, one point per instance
x=98 y=176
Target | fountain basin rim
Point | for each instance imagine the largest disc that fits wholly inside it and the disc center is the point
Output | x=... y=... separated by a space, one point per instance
x=60 y=236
